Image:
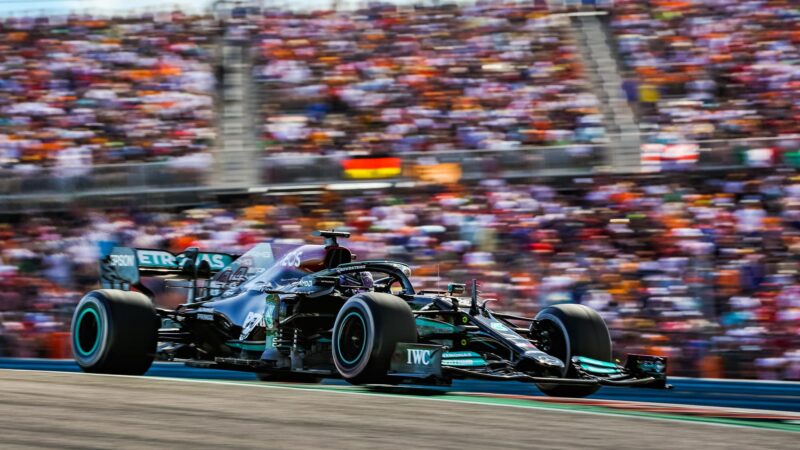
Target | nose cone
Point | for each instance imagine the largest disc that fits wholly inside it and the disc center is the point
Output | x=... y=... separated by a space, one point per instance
x=544 y=360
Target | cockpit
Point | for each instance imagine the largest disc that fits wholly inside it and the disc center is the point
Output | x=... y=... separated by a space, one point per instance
x=273 y=265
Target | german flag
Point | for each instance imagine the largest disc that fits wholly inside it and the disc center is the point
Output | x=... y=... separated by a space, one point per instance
x=371 y=168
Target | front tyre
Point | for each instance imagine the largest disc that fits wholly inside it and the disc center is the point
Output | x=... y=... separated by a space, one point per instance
x=115 y=332
x=571 y=330
x=367 y=329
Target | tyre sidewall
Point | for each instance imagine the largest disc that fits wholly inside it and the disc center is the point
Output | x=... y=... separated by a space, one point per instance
x=576 y=342
x=100 y=352
x=388 y=320
x=593 y=343
x=129 y=334
x=358 y=306
x=547 y=314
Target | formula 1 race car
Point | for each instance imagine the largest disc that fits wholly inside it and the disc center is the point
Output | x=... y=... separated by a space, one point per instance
x=302 y=313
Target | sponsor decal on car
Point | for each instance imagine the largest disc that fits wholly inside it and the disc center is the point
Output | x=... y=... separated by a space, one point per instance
x=166 y=260
x=305 y=282
x=252 y=320
x=465 y=354
x=292 y=259
x=500 y=327
x=156 y=258
x=216 y=261
x=417 y=360
x=349 y=269
x=651 y=366
x=419 y=356
x=270 y=305
x=122 y=260
x=463 y=359
x=464 y=362
x=238 y=277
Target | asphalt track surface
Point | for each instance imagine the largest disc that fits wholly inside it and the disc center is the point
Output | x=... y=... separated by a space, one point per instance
x=775 y=396
x=72 y=410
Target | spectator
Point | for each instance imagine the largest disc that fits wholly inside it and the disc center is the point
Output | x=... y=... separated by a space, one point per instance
x=489 y=76
x=696 y=269
x=713 y=69
x=86 y=90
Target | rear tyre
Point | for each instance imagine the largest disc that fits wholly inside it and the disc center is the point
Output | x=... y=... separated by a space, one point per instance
x=571 y=330
x=367 y=329
x=115 y=332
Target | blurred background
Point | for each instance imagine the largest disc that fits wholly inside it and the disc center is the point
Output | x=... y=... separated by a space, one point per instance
x=640 y=157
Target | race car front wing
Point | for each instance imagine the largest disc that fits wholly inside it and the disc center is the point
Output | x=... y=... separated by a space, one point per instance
x=434 y=363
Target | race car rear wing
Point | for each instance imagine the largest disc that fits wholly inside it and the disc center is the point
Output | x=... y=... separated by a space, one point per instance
x=124 y=267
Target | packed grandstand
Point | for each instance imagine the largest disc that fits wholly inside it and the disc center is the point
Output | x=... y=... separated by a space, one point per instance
x=703 y=267
x=100 y=90
x=489 y=77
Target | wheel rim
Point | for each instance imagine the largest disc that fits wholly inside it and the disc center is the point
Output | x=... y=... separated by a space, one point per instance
x=88 y=330
x=552 y=341
x=352 y=339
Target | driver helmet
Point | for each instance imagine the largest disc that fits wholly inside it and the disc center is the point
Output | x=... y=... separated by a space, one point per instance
x=366 y=280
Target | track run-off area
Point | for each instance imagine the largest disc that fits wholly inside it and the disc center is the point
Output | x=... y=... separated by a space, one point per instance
x=748 y=394
x=45 y=403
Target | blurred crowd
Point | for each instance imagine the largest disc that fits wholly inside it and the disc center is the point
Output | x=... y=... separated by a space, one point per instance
x=83 y=90
x=392 y=80
x=705 y=271
x=702 y=269
x=712 y=68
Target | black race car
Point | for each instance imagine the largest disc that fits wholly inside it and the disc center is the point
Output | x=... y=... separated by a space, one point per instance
x=302 y=313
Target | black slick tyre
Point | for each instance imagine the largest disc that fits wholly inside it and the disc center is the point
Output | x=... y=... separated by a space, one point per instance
x=367 y=329
x=115 y=332
x=572 y=330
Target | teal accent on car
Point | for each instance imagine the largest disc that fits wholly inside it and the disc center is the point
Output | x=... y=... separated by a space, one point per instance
x=597 y=367
x=162 y=259
x=463 y=354
x=427 y=326
x=599 y=370
x=464 y=362
x=595 y=362
x=248 y=346
x=93 y=312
